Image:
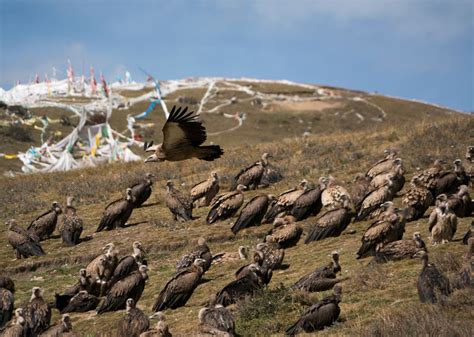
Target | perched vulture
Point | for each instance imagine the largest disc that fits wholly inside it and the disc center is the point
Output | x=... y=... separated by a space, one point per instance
x=461 y=203
x=253 y=212
x=449 y=181
x=131 y=286
x=388 y=228
x=215 y=319
x=469 y=234
x=161 y=329
x=322 y=278
x=417 y=199
x=273 y=254
x=285 y=232
x=203 y=192
x=226 y=205
x=7 y=302
x=309 y=203
x=44 y=225
x=359 y=189
x=134 y=322
x=465 y=277
x=334 y=195
x=271 y=175
x=37 y=314
x=240 y=288
x=384 y=165
x=395 y=175
x=85 y=283
x=400 y=249
x=142 y=190
x=16 y=328
x=23 y=242
x=81 y=302
x=431 y=281
x=442 y=224
x=183 y=135
x=331 y=223
x=264 y=273
x=117 y=213
x=70 y=225
x=251 y=175
x=179 y=289
x=101 y=269
x=128 y=264
x=285 y=202
x=429 y=177
x=64 y=326
x=470 y=165
x=7 y=283
x=180 y=205
x=320 y=315
x=201 y=251
x=370 y=206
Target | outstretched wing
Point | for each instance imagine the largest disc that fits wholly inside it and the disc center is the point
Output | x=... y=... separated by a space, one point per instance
x=181 y=130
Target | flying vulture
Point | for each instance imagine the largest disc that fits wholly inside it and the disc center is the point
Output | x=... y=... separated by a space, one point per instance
x=203 y=192
x=70 y=225
x=180 y=205
x=431 y=282
x=253 y=212
x=134 y=322
x=117 y=213
x=183 y=135
x=24 y=243
x=226 y=205
x=45 y=224
x=142 y=190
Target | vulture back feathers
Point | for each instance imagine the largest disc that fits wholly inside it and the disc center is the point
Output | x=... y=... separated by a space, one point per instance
x=117 y=213
x=253 y=212
x=45 y=224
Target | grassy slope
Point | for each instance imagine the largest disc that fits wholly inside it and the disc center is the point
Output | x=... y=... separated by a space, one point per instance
x=370 y=294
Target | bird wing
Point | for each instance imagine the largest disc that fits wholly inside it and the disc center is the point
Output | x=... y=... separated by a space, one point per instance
x=182 y=130
x=200 y=188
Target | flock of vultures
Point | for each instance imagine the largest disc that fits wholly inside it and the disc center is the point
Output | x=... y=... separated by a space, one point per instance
x=111 y=283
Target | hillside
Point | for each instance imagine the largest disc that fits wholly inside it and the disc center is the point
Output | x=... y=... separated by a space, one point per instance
x=346 y=132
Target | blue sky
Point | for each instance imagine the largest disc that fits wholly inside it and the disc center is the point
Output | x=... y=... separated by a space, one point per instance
x=419 y=49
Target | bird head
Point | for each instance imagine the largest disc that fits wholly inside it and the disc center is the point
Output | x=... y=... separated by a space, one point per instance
x=169 y=185
x=130 y=304
x=158 y=156
x=201 y=241
x=56 y=207
x=258 y=257
x=214 y=175
x=128 y=194
x=69 y=201
x=36 y=292
x=243 y=252
x=143 y=269
x=66 y=321
x=241 y=188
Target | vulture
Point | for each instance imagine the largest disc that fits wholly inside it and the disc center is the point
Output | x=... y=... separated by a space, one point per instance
x=24 y=243
x=461 y=203
x=395 y=175
x=429 y=177
x=253 y=212
x=469 y=234
x=331 y=223
x=179 y=289
x=309 y=203
x=285 y=202
x=128 y=264
x=359 y=189
x=183 y=135
x=431 y=281
x=7 y=283
x=203 y=192
x=271 y=175
x=417 y=199
x=240 y=288
x=64 y=326
x=101 y=269
x=81 y=302
x=134 y=323
x=117 y=213
x=320 y=315
x=7 y=302
x=470 y=165
x=332 y=196
x=285 y=232
x=44 y=225
x=264 y=274
x=388 y=228
x=85 y=283
x=16 y=328
x=273 y=254
x=215 y=319
x=449 y=181
x=37 y=314
x=201 y=251
x=251 y=175
x=161 y=329
x=70 y=225
x=131 y=286
x=400 y=249
x=442 y=224
x=226 y=205
x=465 y=277
x=142 y=190
x=180 y=205
x=370 y=206
x=384 y=165
x=322 y=278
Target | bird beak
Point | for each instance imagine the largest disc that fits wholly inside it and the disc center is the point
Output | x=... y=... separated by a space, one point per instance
x=152 y=158
x=152 y=148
